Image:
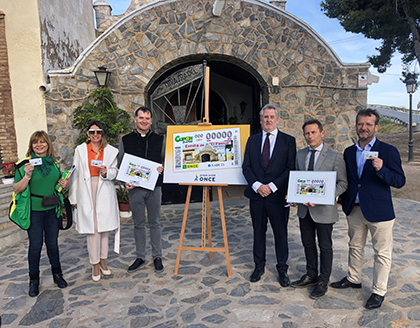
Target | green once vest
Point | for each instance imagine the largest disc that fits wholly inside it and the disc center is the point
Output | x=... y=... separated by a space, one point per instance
x=20 y=206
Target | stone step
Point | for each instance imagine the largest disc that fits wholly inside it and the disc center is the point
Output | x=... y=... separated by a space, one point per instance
x=4 y=211
x=11 y=236
x=6 y=189
x=5 y=198
x=6 y=223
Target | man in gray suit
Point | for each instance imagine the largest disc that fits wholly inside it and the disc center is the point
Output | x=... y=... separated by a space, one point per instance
x=318 y=219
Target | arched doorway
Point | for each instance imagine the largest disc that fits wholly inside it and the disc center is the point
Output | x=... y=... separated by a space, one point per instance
x=236 y=93
x=176 y=95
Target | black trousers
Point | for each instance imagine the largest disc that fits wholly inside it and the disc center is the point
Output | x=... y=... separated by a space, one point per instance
x=261 y=212
x=308 y=229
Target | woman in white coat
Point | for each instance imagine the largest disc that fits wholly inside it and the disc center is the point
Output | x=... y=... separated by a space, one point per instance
x=92 y=192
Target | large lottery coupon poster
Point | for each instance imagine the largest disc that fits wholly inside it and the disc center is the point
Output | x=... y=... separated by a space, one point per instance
x=205 y=154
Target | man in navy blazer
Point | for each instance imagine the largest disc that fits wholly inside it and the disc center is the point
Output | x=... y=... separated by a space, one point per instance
x=269 y=157
x=372 y=168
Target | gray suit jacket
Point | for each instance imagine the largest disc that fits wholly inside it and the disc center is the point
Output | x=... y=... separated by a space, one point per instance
x=328 y=160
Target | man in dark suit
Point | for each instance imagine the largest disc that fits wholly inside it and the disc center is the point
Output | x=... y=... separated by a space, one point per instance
x=372 y=167
x=318 y=219
x=269 y=157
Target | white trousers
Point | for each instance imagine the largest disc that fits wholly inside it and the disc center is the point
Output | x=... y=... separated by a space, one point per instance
x=97 y=242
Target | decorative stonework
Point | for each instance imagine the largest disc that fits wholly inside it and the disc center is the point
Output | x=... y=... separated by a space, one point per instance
x=271 y=43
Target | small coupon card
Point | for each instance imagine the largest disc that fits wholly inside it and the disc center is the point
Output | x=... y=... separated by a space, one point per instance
x=35 y=161
x=95 y=162
x=134 y=183
x=370 y=154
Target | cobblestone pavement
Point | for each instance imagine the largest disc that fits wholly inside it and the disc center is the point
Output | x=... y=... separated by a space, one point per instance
x=202 y=295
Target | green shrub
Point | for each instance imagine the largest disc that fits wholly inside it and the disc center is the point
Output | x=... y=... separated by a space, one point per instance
x=100 y=106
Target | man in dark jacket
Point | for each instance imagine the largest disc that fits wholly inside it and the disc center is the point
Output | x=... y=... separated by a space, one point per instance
x=372 y=167
x=269 y=157
x=143 y=142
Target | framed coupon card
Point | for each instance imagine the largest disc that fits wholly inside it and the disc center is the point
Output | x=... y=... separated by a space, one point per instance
x=138 y=171
x=317 y=187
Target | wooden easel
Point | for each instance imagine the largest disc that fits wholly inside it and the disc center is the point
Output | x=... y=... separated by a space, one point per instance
x=205 y=218
x=205 y=213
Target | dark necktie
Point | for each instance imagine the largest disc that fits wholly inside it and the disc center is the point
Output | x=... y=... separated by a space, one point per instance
x=266 y=151
x=312 y=160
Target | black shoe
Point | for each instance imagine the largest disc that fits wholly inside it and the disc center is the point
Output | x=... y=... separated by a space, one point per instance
x=33 y=287
x=256 y=275
x=158 y=265
x=344 y=283
x=136 y=265
x=374 y=301
x=59 y=280
x=304 y=281
x=319 y=290
x=284 y=279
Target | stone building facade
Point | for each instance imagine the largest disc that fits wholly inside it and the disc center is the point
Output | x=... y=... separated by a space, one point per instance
x=258 y=53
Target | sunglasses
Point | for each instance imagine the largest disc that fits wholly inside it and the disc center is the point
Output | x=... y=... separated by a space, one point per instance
x=92 y=132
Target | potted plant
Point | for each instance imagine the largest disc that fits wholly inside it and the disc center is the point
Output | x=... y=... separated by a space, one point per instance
x=9 y=171
x=123 y=201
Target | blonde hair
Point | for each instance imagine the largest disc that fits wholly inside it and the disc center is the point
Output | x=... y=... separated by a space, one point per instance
x=35 y=137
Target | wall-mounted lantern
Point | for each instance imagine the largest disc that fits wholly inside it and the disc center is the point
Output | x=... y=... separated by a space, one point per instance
x=102 y=76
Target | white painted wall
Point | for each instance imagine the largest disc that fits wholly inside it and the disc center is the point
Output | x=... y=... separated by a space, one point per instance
x=67 y=28
x=25 y=66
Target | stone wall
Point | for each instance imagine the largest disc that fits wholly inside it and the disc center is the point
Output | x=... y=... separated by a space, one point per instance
x=313 y=82
x=8 y=145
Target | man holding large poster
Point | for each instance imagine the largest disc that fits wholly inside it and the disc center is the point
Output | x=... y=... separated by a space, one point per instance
x=143 y=142
x=269 y=157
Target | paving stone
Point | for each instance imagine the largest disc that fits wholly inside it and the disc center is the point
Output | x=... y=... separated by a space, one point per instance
x=188 y=315
x=143 y=321
x=241 y=290
x=49 y=304
x=15 y=303
x=196 y=299
x=209 y=281
x=259 y=300
x=409 y=301
x=81 y=303
x=298 y=311
x=137 y=299
x=382 y=317
x=140 y=309
x=215 y=304
x=331 y=302
x=8 y=318
x=414 y=315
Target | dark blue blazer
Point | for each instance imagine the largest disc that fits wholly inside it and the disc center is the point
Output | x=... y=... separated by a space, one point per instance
x=373 y=186
x=282 y=161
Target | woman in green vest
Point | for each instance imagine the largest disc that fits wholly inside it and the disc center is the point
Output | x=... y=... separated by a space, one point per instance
x=41 y=174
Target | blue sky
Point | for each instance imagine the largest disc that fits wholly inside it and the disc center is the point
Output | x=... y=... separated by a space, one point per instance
x=351 y=48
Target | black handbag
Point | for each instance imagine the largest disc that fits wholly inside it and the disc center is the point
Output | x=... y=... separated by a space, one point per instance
x=48 y=201
x=67 y=215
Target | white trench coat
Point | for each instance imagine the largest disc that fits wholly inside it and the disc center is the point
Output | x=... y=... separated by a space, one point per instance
x=80 y=194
